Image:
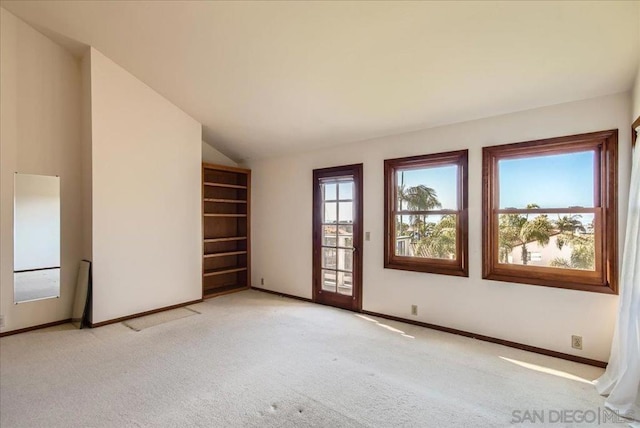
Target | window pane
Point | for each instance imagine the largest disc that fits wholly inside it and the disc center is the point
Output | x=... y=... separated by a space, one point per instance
x=431 y=237
x=329 y=191
x=428 y=188
x=329 y=258
x=345 y=236
x=329 y=280
x=345 y=212
x=345 y=283
x=564 y=241
x=345 y=259
x=330 y=212
x=345 y=229
x=404 y=235
x=329 y=236
x=553 y=181
x=345 y=190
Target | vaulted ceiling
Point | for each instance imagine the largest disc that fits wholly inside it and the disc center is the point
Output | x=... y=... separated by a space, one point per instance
x=268 y=78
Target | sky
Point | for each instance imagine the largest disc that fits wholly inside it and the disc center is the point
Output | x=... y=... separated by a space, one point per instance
x=344 y=210
x=442 y=179
x=554 y=181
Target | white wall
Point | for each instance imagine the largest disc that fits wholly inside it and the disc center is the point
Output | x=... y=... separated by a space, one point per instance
x=36 y=222
x=40 y=134
x=636 y=98
x=85 y=152
x=533 y=315
x=212 y=155
x=146 y=203
x=636 y=88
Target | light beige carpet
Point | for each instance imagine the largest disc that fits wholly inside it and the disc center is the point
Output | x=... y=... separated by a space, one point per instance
x=153 y=320
x=256 y=360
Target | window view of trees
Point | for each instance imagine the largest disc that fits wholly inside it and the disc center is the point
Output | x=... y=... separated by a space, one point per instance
x=427 y=236
x=562 y=242
x=549 y=212
x=426 y=222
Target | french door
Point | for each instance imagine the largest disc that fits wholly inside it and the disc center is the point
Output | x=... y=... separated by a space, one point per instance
x=337 y=236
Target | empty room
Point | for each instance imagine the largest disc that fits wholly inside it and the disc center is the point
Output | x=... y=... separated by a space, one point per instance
x=319 y=213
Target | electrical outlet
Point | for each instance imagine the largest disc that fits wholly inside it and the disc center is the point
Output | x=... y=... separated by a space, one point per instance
x=367 y=236
x=1 y=320
x=576 y=342
x=414 y=309
x=261 y=281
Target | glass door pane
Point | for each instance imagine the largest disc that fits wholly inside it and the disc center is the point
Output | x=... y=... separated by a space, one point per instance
x=337 y=235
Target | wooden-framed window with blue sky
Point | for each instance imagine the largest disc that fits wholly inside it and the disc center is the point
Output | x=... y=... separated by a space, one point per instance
x=550 y=212
x=426 y=224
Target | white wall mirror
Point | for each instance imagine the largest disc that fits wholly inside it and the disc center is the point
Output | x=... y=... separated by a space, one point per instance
x=36 y=239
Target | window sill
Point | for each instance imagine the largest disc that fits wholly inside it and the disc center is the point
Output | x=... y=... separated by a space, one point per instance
x=552 y=282
x=436 y=268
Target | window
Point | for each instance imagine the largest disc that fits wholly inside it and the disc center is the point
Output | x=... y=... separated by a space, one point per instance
x=550 y=212
x=426 y=213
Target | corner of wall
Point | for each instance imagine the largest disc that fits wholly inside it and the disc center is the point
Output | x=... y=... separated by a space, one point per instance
x=85 y=70
x=635 y=97
x=214 y=156
x=635 y=94
x=8 y=155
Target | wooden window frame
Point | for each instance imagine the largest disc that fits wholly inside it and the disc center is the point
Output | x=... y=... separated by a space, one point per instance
x=457 y=267
x=605 y=277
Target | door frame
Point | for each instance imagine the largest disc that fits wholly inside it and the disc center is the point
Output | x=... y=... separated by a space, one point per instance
x=356 y=170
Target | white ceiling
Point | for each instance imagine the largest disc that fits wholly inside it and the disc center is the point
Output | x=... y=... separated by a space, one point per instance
x=268 y=78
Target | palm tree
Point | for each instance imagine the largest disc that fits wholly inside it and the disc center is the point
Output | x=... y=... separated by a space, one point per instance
x=572 y=232
x=509 y=234
x=539 y=230
x=583 y=254
x=401 y=228
x=568 y=227
x=417 y=198
x=517 y=230
x=440 y=242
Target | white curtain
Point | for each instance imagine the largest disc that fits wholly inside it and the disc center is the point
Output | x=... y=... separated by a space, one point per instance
x=621 y=381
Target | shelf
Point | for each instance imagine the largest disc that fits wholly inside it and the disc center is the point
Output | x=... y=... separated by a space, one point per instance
x=226 y=201
x=228 y=253
x=228 y=186
x=225 y=215
x=231 y=238
x=226 y=229
x=222 y=271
